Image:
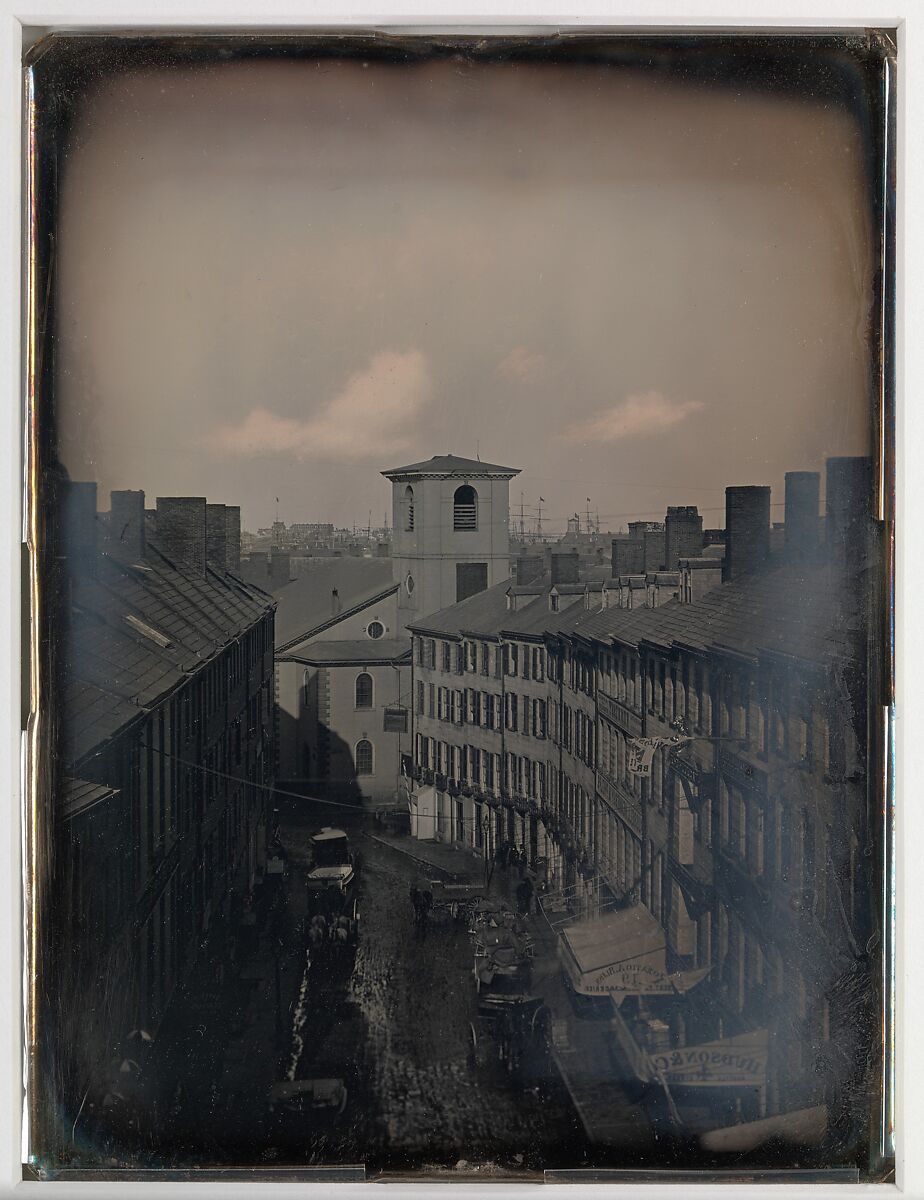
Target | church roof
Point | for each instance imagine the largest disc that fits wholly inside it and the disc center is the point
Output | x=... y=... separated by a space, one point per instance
x=451 y=464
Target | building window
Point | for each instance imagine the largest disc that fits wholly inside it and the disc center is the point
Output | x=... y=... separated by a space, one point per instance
x=364 y=757
x=409 y=584
x=375 y=630
x=465 y=508
x=409 y=509
x=364 y=690
x=471 y=578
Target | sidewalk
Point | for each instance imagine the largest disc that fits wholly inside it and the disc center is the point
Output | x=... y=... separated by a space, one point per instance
x=587 y=1055
x=461 y=866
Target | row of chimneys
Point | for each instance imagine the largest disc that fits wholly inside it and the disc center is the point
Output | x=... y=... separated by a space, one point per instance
x=848 y=511
x=659 y=546
x=188 y=529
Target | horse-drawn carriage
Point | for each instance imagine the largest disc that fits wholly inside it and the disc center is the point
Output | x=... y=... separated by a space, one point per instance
x=511 y=1027
x=456 y=900
x=332 y=909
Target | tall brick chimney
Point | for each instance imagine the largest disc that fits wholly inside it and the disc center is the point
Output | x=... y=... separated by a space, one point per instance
x=628 y=555
x=181 y=524
x=801 y=522
x=529 y=567
x=126 y=525
x=848 y=510
x=78 y=526
x=233 y=538
x=683 y=535
x=566 y=567
x=216 y=536
x=747 y=530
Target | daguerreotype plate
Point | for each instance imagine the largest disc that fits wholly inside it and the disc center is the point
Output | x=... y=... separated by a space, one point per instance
x=460 y=508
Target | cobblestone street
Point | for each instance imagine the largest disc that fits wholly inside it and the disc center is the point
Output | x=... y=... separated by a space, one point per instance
x=398 y=1027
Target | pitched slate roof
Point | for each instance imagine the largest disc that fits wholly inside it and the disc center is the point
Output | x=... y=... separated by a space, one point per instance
x=795 y=611
x=135 y=632
x=451 y=464
x=303 y=607
x=537 y=618
x=484 y=614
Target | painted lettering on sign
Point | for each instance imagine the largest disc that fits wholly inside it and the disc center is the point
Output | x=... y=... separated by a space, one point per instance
x=735 y=1061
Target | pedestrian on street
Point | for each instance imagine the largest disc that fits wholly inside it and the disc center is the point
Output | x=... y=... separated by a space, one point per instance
x=521 y=860
x=505 y=852
x=524 y=896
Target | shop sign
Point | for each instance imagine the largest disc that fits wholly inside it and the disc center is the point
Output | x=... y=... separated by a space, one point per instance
x=737 y=1062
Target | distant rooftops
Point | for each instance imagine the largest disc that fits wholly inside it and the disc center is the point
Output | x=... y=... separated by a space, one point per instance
x=445 y=465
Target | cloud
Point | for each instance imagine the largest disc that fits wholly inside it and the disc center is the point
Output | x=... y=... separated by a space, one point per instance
x=639 y=414
x=376 y=413
x=522 y=366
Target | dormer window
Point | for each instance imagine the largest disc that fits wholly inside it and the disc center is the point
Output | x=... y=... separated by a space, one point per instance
x=465 y=508
x=409 y=509
x=553 y=601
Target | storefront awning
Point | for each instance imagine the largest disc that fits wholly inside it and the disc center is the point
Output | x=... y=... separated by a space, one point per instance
x=621 y=954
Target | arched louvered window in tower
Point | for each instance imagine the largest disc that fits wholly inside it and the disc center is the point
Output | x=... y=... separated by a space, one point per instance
x=409 y=509
x=465 y=508
x=364 y=690
x=364 y=757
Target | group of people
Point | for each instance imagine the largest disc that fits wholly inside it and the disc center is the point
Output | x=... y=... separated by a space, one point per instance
x=509 y=855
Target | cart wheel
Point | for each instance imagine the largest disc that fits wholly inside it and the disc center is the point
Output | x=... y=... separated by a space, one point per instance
x=540 y=1027
x=454 y=910
x=472 y=1057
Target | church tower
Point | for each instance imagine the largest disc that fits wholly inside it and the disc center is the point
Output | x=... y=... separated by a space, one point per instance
x=451 y=535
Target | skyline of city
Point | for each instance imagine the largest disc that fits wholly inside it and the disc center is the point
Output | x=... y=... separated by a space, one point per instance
x=308 y=278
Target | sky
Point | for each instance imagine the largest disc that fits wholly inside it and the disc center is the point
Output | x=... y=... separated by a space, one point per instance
x=279 y=279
